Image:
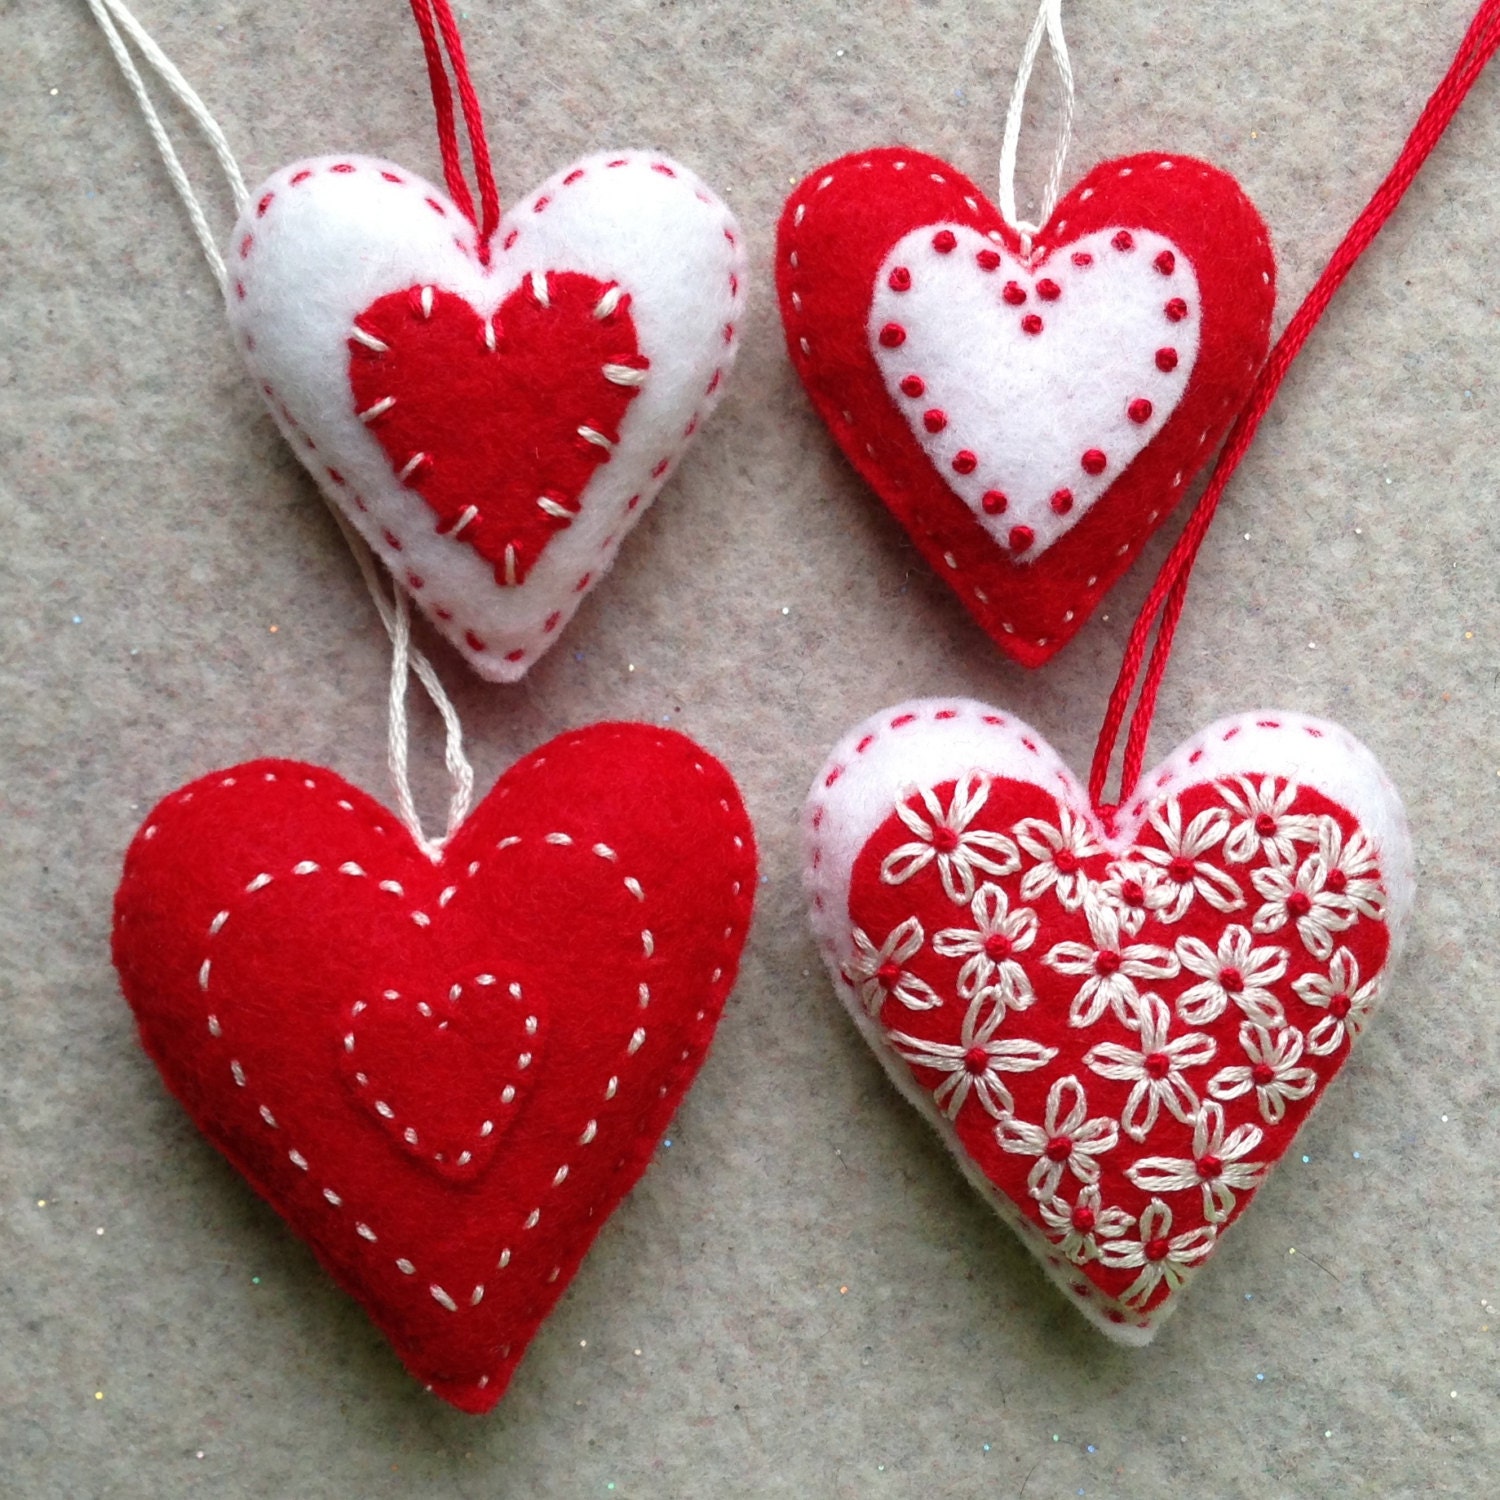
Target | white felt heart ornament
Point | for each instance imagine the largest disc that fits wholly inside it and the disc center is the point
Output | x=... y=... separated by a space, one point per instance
x=1117 y=1030
x=492 y=426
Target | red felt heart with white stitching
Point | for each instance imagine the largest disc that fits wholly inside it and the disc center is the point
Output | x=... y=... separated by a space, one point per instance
x=1119 y=1033
x=1029 y=414
x=444 y=1075
x=493 y=421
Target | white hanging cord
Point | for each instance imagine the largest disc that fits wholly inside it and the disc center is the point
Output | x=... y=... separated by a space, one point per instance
x=1049 y=24
x=394 y=613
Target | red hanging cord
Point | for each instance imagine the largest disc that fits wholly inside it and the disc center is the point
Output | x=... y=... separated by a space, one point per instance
x=434 y=17
x=1170 y=590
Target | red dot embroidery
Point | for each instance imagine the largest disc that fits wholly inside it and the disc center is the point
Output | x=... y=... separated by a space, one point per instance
x=1062 y=503
x=1059 y=1148
x=1299 y=903
x=1166 y=360
x=515 y=656
x=342 y=166
x=997 y=946
x=989 y=260
x=1048 y=290
x=994 y=502
x=944 y=840
x=934 y=419
x=1124 y=240
x=474 y=642
x=263 y=205
x=1176 y=310
x=1021 y=537
x=1262 y=1074
x=1166 y=263
x=1014 y=293
x=913 y=385
x=964 y=462
x=1094 y=461
x=301 y=176
x=945 y=241
x=391 y=177
x=1139 y=410
x=1082 y=259
x=976 y=1061
x=892 y=336
x=572 y=177
x=1158 y=1065
x=1031 y=324
x=900 y=280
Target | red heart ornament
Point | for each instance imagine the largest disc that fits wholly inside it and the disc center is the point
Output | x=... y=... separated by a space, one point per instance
x=1030 y=414
x=445 y=1075
x=492 y=422
x=1117 y=1032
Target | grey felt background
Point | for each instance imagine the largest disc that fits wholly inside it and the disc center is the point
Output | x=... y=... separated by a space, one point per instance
x=801 y=1298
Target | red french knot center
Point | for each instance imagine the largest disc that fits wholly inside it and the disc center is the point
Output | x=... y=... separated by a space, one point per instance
x=1059 y=1148
x=976 y=1060
x=1166 y=263
x=913 y=385
x=900 y=279
x=1231 y=980
x=1139 y=410
x=1031 y=324
x=1133 y=893
x=1337 y=882
x=1265 y=825
x=1158 y=1065
x=993 y=502
x=935 y=419
x=1299 y=903
x=1014 y=293
x=1048 y=290
x=1124 y=240
x=1339 y=1007
x=543 y=383
x=888 y=974
x=1021 y=537
x=989 y=260
x=1062 y=501
x=1159 y=1248
x=1262 y=1073
x=1084 y=1219
x=1182 y=869
x=892 y=336
x=945 y=241
x=1166 y=360
x=997 y=946
x=965 y=462
x=1066 y=861
x=1107 y=963
x=1094 y=461
x=1210 y=1167
x=944 y=840
x=1176 y=310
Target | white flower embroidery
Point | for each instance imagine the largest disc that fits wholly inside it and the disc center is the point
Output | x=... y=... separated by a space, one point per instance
x=1077 y=1229
x=1302 y=897
x=975 y=1062
x=1067 y=1140
x=1352 y=875
x=1266 y=825
x=1217 y=1164
x=1237 y=974
x=1155 y=1071
x=987 y=948
x=1060 y=852
x=1347 y=1001
x=1182 y=868
x=1161 y=1255
x=878 y=972
x=1135 y=891
x=1272 y=1071
x=946 y=838
x=1112 y=967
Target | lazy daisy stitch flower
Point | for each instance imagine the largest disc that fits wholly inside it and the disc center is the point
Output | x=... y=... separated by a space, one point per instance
x=879 y=972
x=1155 y=1071
x=947 y=838
x=1272 y=1071
x=1217 y=1164
x=988 y=949
x=1236 y=974
x=1111 y=967
x=1066 y=1140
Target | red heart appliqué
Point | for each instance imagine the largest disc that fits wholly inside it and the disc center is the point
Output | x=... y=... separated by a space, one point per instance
x=444 y=1075
x=499 y=423
x=1119 y=1034
x=1030 y=414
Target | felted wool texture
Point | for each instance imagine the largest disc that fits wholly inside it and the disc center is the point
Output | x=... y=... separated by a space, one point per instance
x=444 y=1075
x=991 y=393
x=980 y=987
x=454 y=411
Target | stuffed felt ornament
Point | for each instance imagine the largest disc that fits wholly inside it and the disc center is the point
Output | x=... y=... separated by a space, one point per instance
x=1029 y=402
x=1118 y=1016
x=446 y=1061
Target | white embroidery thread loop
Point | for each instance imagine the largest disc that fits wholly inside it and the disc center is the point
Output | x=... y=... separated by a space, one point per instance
x=1049 y=24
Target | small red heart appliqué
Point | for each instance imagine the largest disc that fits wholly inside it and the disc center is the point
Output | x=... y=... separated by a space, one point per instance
x=1029 y=414
x=444 y=1075
x=1117 y=1033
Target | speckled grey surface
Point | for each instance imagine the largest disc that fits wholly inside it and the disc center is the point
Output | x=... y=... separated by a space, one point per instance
x=801 y=1298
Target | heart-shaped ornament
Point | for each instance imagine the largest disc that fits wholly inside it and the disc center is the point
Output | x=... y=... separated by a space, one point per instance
x=494 y=428
x=1029 y=413
x=445 y=1075
x=1117 y=1031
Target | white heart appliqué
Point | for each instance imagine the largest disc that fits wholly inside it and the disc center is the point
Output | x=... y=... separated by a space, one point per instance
x=1032 y=387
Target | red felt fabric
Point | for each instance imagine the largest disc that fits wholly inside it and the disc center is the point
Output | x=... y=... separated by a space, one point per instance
x=312 y=988
x=835 y=231
x=878 y=907
x=496 y=429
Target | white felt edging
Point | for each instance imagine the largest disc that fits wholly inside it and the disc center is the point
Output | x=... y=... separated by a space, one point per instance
x=322 y=239
x=927 y=741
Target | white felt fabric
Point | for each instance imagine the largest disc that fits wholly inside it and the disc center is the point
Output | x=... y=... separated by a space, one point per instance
x=322 y=251
x=908 y=746
x=1028 y=406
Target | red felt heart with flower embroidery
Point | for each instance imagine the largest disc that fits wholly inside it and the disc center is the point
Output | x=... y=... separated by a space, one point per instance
x=1029 y=414
x=444 y=1075
x=499 y=422
x=1121 y=1034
